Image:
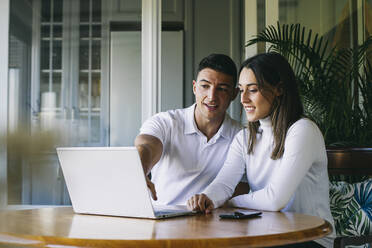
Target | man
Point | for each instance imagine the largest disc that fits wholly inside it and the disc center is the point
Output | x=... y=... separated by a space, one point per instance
x=185 y=148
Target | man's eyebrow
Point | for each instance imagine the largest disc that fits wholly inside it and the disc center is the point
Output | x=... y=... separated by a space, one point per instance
x=220 y=84
x=250 y=84
x=204 y=80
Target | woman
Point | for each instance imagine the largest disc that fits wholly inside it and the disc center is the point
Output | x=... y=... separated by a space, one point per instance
x=282 y=153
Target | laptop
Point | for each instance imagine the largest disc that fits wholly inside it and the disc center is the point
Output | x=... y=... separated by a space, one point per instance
x=110 y=181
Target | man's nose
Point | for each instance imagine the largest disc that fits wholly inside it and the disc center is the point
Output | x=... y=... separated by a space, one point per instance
x=212 y=93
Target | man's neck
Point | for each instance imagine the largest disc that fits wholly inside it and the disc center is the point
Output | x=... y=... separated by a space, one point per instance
x=208 y=127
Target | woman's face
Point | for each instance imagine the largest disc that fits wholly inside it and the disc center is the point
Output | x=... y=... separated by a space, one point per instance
x=256 y=105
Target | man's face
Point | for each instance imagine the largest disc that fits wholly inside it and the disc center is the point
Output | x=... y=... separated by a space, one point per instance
x=213 y=91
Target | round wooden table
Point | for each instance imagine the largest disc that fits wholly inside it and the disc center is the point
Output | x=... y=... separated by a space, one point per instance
x=57 y=227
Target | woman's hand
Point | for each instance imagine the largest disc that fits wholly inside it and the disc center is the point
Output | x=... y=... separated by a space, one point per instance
x=200 y=203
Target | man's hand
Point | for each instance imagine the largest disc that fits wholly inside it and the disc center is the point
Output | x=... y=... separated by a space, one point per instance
x=200 y=203
x=149 y=149
x=151 y=187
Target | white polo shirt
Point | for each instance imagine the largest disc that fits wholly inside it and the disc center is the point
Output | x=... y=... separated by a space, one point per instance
x=189 y=163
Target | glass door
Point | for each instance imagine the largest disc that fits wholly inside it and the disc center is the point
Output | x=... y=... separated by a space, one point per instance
x=55 y=92
x=89 y=86
x=59 y=86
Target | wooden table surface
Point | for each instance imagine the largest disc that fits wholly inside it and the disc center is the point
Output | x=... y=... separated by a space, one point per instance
x=61 y=227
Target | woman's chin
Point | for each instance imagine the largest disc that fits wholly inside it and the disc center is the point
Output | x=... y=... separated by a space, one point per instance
x=251 y=118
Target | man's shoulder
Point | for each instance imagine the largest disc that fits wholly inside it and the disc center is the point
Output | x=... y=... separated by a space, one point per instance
x=177 y=115
x=234 y=125
x=163 y=123
x=172 y=113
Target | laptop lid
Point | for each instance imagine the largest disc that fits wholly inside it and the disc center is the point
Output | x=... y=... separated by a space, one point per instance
x=106 y=181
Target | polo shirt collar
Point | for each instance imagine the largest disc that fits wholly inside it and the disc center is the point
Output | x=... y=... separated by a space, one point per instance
x=190 y=124
x=226 y=127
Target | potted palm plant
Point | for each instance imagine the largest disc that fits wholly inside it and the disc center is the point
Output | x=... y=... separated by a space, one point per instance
x=336 y=88
x=335 y=84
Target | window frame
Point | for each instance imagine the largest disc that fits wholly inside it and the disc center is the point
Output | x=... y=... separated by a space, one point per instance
x=4 y=64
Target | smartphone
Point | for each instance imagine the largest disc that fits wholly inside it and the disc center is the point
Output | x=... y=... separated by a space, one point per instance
x=245 y=214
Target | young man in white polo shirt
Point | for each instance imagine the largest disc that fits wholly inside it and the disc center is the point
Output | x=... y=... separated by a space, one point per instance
x=184 y=149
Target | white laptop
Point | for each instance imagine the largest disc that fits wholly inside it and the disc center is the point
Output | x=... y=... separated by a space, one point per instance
x=110 y=181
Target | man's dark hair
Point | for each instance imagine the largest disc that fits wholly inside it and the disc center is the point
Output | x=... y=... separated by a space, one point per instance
x=221 y=63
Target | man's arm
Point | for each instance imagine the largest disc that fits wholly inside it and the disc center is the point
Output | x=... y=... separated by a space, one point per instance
x=149 y=149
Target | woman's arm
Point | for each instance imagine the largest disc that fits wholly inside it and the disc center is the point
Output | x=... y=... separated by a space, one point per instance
x=302 y=144
x=222 y=188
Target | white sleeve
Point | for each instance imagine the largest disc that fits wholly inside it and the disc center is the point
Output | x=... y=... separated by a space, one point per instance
x=223 y=186
x=157 y=126
x=301 y=146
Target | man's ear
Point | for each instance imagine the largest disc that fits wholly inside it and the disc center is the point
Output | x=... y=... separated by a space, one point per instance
x=234 y=94
x=194 y=86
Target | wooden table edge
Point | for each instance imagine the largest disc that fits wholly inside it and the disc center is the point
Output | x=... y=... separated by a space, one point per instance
x=246 y=241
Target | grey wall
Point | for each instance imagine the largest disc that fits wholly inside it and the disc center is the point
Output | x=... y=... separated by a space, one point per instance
x=211 y=27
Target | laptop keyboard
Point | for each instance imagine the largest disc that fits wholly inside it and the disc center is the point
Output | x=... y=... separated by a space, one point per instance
x=166 y=212
x=170 y=211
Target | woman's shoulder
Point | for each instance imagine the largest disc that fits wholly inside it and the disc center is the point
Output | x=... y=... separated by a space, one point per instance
x=304 y=135
x=304 y=125
x=305 y=122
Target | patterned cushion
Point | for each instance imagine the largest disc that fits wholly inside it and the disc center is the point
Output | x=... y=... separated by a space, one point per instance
x=351 y=207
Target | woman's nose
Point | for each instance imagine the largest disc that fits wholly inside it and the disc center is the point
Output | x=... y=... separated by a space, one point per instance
x=244 y=97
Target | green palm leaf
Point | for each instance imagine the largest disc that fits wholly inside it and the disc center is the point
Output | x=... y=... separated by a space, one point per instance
x=341 y=195
x=327 y=79
x=350 y=207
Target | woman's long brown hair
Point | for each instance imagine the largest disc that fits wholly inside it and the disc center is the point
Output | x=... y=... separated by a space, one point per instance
x=273 y=72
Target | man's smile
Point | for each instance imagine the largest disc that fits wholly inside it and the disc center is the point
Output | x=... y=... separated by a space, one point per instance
x=211 y=107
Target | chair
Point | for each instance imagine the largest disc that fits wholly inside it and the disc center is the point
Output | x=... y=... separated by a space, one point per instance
x=351 y=195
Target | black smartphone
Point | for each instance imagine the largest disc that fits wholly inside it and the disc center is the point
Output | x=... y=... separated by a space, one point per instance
x=245 y=214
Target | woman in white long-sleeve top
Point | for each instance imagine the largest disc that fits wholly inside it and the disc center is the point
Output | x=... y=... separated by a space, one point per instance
x=282 y=152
